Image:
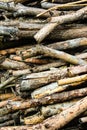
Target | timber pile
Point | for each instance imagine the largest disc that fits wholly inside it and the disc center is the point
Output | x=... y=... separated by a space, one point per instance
x=43 y=64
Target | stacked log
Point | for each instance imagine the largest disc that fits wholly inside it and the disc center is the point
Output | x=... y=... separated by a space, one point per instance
x=43 y=64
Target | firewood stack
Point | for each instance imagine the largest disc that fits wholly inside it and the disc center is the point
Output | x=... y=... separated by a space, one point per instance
x=43 y=64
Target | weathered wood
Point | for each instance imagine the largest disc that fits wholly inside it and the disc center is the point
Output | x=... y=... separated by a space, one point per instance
x=68 y=44
x=50 y=110
x=34 y=119
x=52 y=123
x=58 y=86
x=36 y=80
x=54 y=98
x=6 y=96
x=45 y=31
x=62 y=5
x=59 y=54
x=11 y=64
x=38 y=68
x=8 y=117
x=7 y=123
x=3 y=85
x=60 y=120
x=47 y=5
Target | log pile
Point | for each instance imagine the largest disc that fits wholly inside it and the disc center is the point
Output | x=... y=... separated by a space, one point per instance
x=43 y=64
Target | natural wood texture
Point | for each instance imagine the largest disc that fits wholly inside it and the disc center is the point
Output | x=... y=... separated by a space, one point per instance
x=64 y=117
x=36 y=80
x=52 y=123
x=11 y=64
x=50 y=110
x=45 y=31
x=59 y=54
x=69 y=44
x=58 y=86
x=48 y=5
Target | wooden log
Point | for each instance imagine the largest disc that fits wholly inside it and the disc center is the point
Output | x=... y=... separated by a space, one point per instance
x=11 y=64
x=63 y=1
x=58 y=86
x=6 y=96
x=38 y=68
x=82 y=55
x=30 y=60
x=43 y=79
x=64 y=33
x=63 y=5
x=59 y=54
x=47 y=5
x=34 y=119
x=3 y=85
x=45 y=31
x=3 y=103
x=51 y=110
x=60 y=120
x=36 y=80
x=58 y=45
x=52 y=123
x=8 y=117
x=20 y=10
x=54 y=98
x=17 y=127
x=68 y=44
x=7 y=123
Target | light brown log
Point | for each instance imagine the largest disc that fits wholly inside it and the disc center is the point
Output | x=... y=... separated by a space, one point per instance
x=16 y=128
x=52 y=123
x=11 y=64
x=60 y=120
x=36 y=80
x=38 y=68
x=45 y=31
x=51 y=110
x=48 y=5
x=68 y=44
x=34 y=119
x=3 y=103
x=30 y=60
x=72 y=80
x=59 y=54
x=58 y=86
x=62 y=6
x=54 y=98
x=6 y=96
